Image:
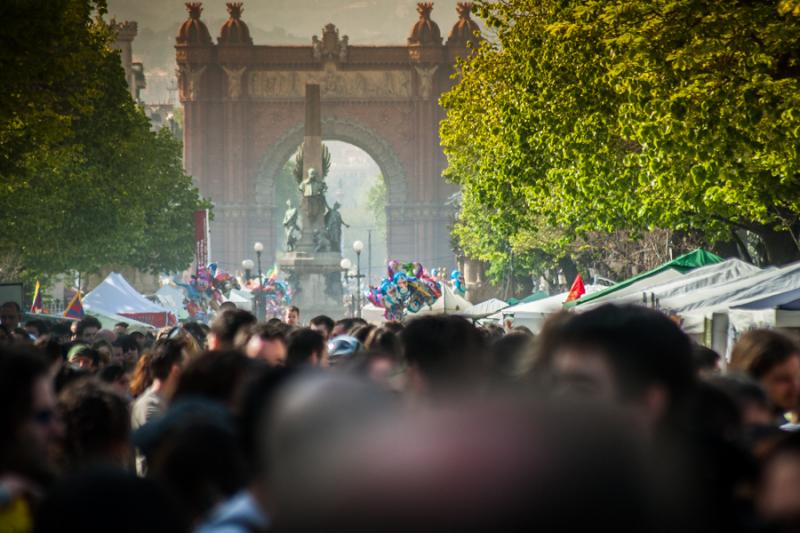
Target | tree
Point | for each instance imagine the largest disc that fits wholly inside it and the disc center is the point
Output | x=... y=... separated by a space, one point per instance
x=599 y=116
x=85 y=182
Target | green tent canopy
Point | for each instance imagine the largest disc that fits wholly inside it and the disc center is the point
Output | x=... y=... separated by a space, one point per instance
x=682 y=264
x=530 y=298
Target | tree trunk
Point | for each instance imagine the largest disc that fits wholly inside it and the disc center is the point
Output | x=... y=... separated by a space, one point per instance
x=780 y=246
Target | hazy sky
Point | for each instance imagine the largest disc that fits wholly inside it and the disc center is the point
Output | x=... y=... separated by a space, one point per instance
x=365 y=21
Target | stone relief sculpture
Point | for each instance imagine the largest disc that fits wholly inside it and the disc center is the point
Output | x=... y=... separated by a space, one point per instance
x=194 y=81
x=316 y=48
x=425 y=76
x=334 y=83
x=234 y=76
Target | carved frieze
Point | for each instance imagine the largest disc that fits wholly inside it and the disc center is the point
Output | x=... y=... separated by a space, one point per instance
x=388 y=84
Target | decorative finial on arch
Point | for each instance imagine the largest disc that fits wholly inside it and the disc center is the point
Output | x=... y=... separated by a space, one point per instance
x=424 y=9
x=195 y=9
x=235 y=9
x=464 y=9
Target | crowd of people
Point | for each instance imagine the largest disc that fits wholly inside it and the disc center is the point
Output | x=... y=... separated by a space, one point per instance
x=611 y=419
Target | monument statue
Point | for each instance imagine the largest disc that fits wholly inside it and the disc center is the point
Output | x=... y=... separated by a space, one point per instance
x=290 y=226
x=333 y=227
x=313 y=204
x=321 y=241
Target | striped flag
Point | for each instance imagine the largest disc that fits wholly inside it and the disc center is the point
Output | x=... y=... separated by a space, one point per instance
x=36 y=306
x=75 y=307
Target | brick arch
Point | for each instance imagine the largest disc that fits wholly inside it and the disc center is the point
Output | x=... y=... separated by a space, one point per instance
x=333 y=129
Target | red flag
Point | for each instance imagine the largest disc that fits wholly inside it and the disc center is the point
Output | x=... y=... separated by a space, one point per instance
x=36 y=306
x=577 y=290
x=75 y=307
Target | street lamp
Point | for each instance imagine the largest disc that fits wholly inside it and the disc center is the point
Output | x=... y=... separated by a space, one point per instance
x=247 y=265
x=345 y=264
x=258 y=248
x=358 y=246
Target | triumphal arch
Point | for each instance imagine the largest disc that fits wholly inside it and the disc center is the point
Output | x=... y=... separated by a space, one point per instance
x=244 y=110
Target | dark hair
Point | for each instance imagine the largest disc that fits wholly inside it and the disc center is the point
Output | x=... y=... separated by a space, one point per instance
x=40 y=325
x=302 y=344
x=50 y=348
x=111 y=373
x=509 y=355
x=197 y=331
x=87 y=322
x=111 y=492
x=166 y=354
x=96 y=419
x=345 y=323
x=19 y=370
x=13 y=304
x=758 y=351
x=704 y=358
x=445 y=349
x=324 y=321
x=228 y=323
x=270 y=332
x=294 y=308
x=214 y=375
x=91 y=353
x=121 y=324
x=126 y=342
x=642 y=346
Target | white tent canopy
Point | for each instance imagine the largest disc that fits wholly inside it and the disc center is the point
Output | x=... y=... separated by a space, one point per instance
x=677 y=285
x=172 y=297
x=115 y=296
x=484 y=309
x=533 y=314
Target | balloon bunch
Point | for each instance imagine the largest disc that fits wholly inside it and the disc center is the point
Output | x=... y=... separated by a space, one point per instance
x=276 y=295
x=407 y=288
x=206 y=290
x=457 y=283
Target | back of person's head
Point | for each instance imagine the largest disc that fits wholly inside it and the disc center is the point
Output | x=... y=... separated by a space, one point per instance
x=216 y=375
x=38 y=326
x=111 y=373
x=705 y=360
x=362 y=332
x=758 y=351
x=96 y=424
x=778 y=497
x=20 y=369
x=446 y=350
x=343 y=326
x=386 y=341
x=226 y=326
x=304 y=345
x=194 y=452
x=322 y=323
x=642 y=347
x=508 y=356
x=166 y=355
x=111 y=494
x=142 y=374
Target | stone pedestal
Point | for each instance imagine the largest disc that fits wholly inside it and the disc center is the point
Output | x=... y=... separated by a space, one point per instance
x=316 y=279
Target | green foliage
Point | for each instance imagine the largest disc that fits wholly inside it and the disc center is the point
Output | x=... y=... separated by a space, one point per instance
x=606 y=115
x=83 y=180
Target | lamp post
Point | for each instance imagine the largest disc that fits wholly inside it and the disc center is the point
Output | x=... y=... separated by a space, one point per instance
x=345 y=264
x=258 y=248
x=358 y=246
x=247 y=265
